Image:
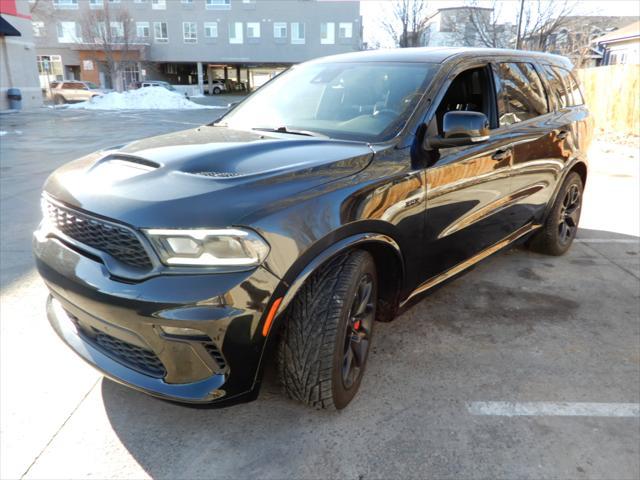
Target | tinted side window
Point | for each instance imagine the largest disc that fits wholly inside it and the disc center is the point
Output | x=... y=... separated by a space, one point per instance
x=68 y=86
x=573 y=95
x=556 y=86
x=524 y=96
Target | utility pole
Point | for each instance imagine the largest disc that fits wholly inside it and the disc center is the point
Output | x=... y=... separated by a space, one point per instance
x=519 y=37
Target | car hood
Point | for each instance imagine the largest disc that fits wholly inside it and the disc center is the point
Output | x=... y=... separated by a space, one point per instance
x=204 y=177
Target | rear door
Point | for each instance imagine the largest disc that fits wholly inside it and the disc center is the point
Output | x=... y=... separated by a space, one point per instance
x=539 y=139
x=68 y=91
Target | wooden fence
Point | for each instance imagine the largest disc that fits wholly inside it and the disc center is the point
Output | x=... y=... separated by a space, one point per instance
x=612 y=94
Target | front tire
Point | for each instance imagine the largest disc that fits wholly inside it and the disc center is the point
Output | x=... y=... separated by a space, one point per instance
x=217 y=91
x=561 y=226
x=324 y=347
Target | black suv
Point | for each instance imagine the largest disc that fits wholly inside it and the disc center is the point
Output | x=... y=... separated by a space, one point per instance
x=326 y=200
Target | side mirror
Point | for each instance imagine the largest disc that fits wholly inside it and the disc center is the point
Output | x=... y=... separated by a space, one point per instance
x=460 y=128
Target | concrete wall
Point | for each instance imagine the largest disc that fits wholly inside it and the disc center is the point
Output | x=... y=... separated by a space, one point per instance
x=18 y=68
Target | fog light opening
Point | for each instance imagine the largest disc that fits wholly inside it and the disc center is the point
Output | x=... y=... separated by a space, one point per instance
x=181 y=331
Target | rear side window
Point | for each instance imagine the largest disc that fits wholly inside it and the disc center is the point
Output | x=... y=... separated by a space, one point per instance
x=574 y=95
x=556 y=86
x=523 y=94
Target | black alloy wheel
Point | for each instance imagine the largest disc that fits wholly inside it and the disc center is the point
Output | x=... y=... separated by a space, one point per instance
x=569 y=214
x=561 y=225
x=357 y=338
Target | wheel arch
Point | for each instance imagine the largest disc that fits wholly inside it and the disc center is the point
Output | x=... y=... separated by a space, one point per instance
x=580 y=168
x=578 y=165
x=387 y=256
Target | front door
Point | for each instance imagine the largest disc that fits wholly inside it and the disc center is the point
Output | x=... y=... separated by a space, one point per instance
x=468 y=188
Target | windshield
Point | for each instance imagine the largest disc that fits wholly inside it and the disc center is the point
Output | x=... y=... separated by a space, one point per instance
x=368 y=101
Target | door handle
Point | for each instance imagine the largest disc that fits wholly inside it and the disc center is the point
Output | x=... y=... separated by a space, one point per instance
x=562 y=134
x=501 y=154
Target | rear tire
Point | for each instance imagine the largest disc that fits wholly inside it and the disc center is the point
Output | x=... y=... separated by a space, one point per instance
x=560 y=228
x=327 y=336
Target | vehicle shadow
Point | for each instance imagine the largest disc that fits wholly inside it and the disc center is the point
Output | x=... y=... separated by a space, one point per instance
x=499 y=329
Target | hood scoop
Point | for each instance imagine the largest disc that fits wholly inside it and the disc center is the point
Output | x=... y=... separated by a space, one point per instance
x=114 y=168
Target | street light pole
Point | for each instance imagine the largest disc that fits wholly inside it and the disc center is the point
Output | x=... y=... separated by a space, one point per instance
x=519 y=37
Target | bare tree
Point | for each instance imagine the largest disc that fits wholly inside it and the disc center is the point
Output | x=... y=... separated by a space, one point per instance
x=111 y=32
x=408 y=22
x=541 y=19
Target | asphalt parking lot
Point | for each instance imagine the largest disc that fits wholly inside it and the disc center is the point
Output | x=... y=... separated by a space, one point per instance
x=545 y=334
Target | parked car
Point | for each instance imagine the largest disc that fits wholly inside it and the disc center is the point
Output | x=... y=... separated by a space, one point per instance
x=218 y=86
x=158 y=83
x=74 y=91
x=309 y=210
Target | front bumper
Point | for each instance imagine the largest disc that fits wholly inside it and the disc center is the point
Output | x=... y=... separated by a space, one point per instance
x=116 y=325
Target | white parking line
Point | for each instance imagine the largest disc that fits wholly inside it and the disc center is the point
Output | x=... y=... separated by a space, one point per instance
x=555 y=409
x=607 y=240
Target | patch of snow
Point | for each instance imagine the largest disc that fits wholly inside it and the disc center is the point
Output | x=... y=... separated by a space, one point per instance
x=147 y=98
x=2 y=132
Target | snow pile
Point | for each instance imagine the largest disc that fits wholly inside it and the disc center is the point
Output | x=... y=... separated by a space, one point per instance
x=147 y=98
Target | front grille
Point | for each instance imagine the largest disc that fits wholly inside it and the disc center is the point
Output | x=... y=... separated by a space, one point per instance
x=137 y=358
x=119 y=242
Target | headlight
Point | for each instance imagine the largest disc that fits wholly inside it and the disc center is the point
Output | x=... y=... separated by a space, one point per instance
x=209 y=248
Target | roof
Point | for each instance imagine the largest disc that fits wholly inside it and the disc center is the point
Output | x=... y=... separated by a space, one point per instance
x=439 y=55
x=624 y=33
x=7 y=29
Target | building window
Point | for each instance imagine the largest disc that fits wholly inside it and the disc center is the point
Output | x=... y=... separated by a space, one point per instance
x=218 y=5
x=211 y=29
x=114 y=1
x=95 y=4
x=327 y=33
x=68 y=32
x=279 y=30
x=189 y=32
x=38 y=29
x=345 y=30
x=65 y=4
x=140 y=1
x=297 y=33
x=253 y=29
x=160 y=32
x=188 y=2
x=116 y=29
x=159 y=4
x=235 y=32
x=50 y=65
x=142 y=29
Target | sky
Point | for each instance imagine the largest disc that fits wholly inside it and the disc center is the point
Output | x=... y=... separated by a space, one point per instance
x=373 y=11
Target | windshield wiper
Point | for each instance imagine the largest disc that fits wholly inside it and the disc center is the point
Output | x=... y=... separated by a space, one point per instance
x=283 y=129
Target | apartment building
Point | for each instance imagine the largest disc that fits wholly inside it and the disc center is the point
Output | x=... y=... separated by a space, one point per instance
x=191 y=41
